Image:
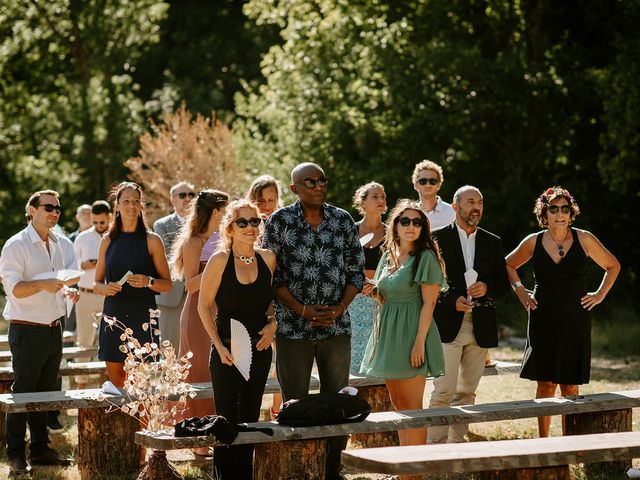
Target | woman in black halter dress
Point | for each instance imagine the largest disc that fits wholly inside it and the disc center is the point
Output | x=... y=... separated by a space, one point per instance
x=236 y=284
x=558 y=350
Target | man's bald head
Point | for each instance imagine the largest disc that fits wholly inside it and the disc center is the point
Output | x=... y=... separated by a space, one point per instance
x=304 y=170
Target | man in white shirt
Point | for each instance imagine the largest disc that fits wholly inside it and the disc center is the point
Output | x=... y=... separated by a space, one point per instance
x=34 y=309
x=466 y=312
x=169 y=227
x=427 y=179
x=86 y=249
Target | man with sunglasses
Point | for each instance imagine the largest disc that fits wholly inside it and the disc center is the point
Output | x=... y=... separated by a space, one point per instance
x=171 y=303
x=86 y=249
x=427 y=179
x=466 y=313
x=35 y=309
x=319 y=270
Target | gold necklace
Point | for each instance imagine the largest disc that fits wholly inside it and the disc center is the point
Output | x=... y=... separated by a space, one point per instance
x=560 y=246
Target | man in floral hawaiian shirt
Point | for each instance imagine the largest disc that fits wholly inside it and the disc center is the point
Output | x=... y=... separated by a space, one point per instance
x=319 y=270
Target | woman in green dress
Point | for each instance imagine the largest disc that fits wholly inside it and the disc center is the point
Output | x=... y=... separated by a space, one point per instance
x=404 y=347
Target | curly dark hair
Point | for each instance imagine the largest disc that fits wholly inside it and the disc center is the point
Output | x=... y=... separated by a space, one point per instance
x=424 y=242
x=544 y=200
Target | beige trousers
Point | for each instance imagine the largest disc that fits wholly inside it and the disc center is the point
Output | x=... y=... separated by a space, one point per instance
x=88 y=304
x=464 y=365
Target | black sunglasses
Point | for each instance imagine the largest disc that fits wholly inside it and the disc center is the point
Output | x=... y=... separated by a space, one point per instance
x=563 y=208
x=243 y=222
x=50 y=208
x=311 y=183
x=405 y=221
x=424 y=181
x=183 y=195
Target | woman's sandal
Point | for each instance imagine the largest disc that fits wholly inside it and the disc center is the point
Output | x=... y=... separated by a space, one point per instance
x=274 y=413
x=202 y=452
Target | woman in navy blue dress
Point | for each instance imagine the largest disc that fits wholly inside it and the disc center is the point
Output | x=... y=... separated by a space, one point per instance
x=129 y=246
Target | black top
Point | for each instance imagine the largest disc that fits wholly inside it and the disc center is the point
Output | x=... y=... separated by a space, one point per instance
x=246 y=303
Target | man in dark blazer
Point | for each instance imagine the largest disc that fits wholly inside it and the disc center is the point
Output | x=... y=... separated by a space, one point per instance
x=169 y=227
x=466 y=313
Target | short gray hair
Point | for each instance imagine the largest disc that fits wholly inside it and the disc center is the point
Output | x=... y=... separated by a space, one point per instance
x=463 y=189
x=180 y=185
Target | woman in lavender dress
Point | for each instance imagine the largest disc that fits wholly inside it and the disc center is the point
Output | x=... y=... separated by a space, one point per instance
x=197 y=242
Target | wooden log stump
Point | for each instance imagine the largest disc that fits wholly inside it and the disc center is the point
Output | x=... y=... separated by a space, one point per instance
x=560 y=472
x=106 y=443
x=378 y=398
x=158 y=468
x=601 y=422
x=290 y=460
x=5 y=387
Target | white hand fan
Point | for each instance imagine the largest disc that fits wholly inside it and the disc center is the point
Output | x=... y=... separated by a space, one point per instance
x=66 y=275
x=366 y=238
x=241 y=348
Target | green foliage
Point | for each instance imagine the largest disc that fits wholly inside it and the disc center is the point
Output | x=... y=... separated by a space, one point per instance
x=507 y=96
x=69 y=115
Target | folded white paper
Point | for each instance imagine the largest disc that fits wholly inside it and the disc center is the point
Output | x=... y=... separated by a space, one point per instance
x=470 y=277
x=125 y=277
x=366 y=238
x=65 y=275
x=108 y=387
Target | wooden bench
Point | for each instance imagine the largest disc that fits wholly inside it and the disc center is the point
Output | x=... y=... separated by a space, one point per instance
x=67 y=338
x=99 y=447
x=537 y=458
x=300 y=452
x=67 y=352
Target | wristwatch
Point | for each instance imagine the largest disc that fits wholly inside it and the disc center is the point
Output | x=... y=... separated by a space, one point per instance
x=516 y=285
x=151 y=283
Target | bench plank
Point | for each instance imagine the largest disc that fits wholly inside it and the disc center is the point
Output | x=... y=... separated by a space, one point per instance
x=67 y=352
x=385 y=421
x=495 y=455
x=69 y=369
x=67 y=337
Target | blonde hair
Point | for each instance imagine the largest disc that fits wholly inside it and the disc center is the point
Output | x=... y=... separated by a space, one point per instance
x=230 y=216
x=427 y=165
x=361 y=195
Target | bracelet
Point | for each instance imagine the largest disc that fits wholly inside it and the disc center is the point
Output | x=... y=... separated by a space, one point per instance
x=303 y=308
x=270 y=317
x=344 y=308
x=516 y=285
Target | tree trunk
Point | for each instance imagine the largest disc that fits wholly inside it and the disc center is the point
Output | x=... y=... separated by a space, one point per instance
x=378 y=398
x=560 y=472
x=106 y=442
x=601 y=422
x=5 y=387
x=159 y=468
x=290 y=460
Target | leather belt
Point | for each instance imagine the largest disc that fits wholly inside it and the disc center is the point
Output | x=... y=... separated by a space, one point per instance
x=87 y=290
x=55 y=323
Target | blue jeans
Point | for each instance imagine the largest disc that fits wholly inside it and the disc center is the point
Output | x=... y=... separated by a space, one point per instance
x=294 y=362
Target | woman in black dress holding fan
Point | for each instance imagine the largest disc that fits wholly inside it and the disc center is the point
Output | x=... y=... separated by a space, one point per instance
x=558 y=350
x=236 y=284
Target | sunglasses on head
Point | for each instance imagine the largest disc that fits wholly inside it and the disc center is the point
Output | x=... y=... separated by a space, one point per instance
x=431 y=181
x=50 y=208
x=311 y=182
x=244 y=222
x=183 y=195
x=405 y=221
x=563 y=208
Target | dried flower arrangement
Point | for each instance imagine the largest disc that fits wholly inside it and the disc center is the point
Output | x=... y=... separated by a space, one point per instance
x=155 y=384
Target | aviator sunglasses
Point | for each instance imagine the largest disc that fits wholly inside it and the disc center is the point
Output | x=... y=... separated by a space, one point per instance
x=563 y=208
x=50 y=208
x=431 y=181
x=244 y=222
x=183 y=195
x=405 y=221
x=311 y=183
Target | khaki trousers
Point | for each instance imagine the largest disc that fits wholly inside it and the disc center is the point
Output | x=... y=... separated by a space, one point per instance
x=464 y=365
x=88 y=304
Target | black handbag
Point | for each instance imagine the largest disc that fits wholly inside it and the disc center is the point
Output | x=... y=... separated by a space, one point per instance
x=323 y=409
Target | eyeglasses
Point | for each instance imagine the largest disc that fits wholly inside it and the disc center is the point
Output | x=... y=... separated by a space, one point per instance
x=431 y=181
x=311 y=182
x=101 y=222
x=563 y=208
x=405 y=221
x=183 y=195
x=244 y=222
x=50 y=208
